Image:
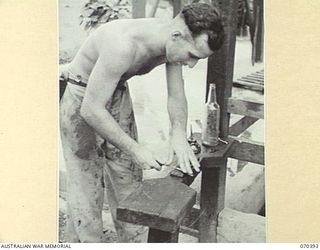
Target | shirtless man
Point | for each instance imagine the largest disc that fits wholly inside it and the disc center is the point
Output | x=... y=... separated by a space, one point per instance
x=96 y=118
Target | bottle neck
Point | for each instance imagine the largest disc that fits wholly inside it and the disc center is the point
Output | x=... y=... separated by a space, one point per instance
x=212 y=96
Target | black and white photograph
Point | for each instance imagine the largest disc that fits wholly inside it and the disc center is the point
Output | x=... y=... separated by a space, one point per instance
x=161 y=121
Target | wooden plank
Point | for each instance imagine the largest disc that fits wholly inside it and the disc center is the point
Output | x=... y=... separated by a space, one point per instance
x=246 y=108
x=254 y=78
x=158 y=203
x=138 y=8
x=256 y=75
x=247 y=150
x=254 y=81
x=259 y=76
x=244 y=79
x=243 y=124
x=248 y=94
x=251 y=81
x=158 y=236
x=253 y=86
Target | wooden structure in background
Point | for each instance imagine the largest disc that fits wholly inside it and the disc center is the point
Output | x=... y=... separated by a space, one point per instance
x=257 y=46
x=138 y=8
x=160 y=210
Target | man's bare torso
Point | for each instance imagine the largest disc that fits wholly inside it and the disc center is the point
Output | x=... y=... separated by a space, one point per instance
x=110 y=37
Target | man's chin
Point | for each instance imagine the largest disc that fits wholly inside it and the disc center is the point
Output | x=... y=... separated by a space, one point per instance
x=173 y=61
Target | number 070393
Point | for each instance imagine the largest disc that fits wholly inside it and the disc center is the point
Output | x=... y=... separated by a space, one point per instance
x=312 y=245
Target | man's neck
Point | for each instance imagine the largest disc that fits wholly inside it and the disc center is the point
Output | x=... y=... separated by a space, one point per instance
x=161 y=32
x=155 y=36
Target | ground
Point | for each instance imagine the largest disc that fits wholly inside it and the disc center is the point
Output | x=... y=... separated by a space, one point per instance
x=149 y=98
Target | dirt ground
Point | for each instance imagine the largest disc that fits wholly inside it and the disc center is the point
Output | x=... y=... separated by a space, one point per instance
x=149 y=99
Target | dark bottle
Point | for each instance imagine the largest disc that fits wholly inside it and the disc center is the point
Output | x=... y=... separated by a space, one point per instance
x=210 y=131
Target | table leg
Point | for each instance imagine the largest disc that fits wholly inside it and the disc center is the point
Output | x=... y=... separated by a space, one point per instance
x=212 y=200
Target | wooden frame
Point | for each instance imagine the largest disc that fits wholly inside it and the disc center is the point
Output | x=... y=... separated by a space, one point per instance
x=245 y=107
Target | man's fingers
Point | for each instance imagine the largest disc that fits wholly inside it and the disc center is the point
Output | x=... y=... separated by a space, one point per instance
x=155 y=166
x=194 y=162
x=182 y=166
x=196 y=168
x=187 y=165
x=170 y=157
x=173 y=163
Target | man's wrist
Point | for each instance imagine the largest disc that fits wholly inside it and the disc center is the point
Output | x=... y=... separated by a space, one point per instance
x=179 y=133
x=134 y=148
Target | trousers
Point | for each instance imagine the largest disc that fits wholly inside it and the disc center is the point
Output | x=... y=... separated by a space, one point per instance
x=94 y=166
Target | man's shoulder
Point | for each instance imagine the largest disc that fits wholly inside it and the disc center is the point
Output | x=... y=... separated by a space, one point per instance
x=116 y=26
x=112 y=38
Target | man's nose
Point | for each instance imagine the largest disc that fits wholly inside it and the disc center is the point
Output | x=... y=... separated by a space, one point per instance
x=192 y=63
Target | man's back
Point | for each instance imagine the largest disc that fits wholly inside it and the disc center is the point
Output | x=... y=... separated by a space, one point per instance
x=110 y=41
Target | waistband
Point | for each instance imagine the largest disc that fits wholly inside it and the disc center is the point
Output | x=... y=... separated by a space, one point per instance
x=121 y=84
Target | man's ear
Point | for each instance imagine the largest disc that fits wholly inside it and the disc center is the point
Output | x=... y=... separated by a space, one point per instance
x=176 y=35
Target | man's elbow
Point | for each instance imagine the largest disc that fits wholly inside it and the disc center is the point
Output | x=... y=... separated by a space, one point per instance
x=86 y=113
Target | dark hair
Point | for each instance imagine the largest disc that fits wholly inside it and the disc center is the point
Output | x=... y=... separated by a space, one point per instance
x=201 y=17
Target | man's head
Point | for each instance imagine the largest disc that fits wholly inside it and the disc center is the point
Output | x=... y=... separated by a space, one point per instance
x=196 y=33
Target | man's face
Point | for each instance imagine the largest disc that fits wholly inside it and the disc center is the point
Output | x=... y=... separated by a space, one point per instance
x=187 y=50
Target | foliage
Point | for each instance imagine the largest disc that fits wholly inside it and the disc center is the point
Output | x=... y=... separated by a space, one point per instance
x=97 y=12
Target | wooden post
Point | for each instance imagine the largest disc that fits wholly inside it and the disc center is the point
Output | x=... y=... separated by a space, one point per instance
x=220 y=65
x=176 y=6
x=220 y=72
x=211 y=201
x=138 y=8
x=257 y=47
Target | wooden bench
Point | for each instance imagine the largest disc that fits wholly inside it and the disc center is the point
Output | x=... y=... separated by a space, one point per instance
x=160 y=204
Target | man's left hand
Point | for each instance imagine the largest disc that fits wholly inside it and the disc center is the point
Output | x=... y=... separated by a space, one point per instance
x=181 y=150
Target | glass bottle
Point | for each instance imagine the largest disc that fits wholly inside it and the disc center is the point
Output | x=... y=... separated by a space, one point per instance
x=211 y=121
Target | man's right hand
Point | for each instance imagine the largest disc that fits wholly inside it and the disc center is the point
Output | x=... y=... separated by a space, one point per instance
x=145 y=158
x=63 y=72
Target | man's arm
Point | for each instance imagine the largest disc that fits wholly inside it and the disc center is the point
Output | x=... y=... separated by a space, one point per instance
x=178 y=113
x=110 y=66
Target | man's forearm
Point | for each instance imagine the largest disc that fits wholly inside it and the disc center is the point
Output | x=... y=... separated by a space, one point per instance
x=105 y=125
x=177 y=103
x=178 y=114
